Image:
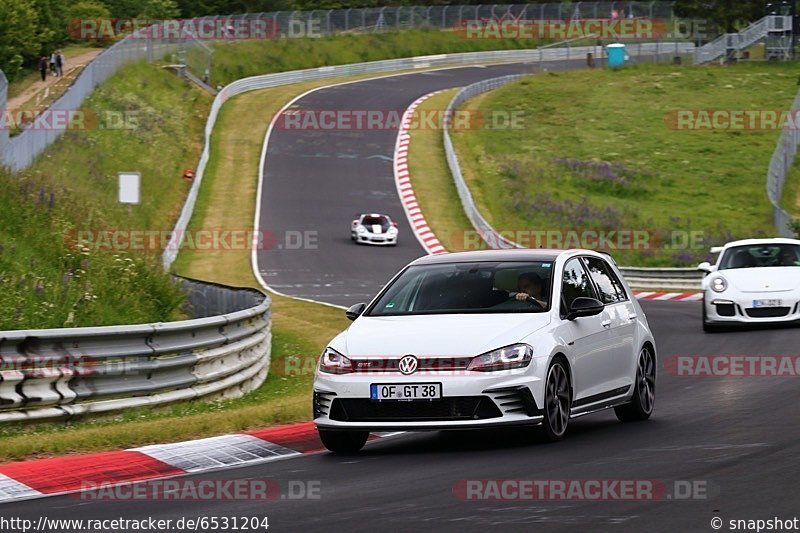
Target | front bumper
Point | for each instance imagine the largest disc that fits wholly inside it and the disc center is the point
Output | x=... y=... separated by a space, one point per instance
x=379 y=240
x=468 y=402
x=732 y=309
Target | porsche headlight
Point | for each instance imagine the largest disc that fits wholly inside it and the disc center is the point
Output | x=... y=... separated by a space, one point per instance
x=514 y=356
x=392 y=231
x=362 y=229
x=718 y=284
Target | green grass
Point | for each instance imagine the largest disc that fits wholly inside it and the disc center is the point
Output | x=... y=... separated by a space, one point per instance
x=263 y=57
x=594 y=152
x=48 y=281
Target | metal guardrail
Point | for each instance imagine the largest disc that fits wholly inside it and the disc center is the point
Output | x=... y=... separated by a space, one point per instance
x=661 y=278
x=57 y=373
x=391 y=65
x=779 y=167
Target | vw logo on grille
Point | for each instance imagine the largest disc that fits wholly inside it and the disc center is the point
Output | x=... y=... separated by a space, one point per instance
x=408 y=365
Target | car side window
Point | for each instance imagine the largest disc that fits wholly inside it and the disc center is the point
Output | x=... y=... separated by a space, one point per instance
x=575 y=284
x=607 y=283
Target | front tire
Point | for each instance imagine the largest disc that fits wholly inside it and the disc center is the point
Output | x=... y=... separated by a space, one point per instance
x=557 y=401
x=343 y=441
x=644 y=391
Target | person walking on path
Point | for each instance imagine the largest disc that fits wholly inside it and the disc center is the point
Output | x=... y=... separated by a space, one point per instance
x=53 y=64
x=43 y=67
x=59 y=63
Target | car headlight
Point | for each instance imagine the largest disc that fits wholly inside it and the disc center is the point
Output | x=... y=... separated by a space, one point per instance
x=332 y=362
x=362 y=229
x=718 y=284
x=392 y=231
x=514 y=356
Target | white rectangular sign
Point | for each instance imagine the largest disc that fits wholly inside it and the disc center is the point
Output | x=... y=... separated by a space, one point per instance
x=129 y=185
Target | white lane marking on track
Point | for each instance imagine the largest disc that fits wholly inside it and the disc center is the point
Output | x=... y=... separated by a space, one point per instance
x=215 y=452
x=11 y=489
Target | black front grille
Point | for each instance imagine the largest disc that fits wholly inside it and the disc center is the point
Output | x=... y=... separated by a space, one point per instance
x=767 y=312
x=726 y=310
x=454 y=408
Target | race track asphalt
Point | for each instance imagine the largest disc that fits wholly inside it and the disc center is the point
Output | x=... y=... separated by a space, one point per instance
x=317 y=181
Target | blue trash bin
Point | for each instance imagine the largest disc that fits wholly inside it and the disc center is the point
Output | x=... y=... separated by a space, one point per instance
x=616 y=55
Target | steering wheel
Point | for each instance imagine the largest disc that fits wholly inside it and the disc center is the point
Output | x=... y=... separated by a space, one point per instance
x=536 y=304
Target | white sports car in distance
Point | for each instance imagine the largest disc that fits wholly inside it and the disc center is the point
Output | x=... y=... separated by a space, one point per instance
x=488 y=338
x=753 y=281
x=374 y=229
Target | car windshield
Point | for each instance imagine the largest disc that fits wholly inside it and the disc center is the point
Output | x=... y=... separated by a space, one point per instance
x=761 y=255
x=480 y=287
x=381 y=221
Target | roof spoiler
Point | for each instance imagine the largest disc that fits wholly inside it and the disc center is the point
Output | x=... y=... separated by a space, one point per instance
x=717 y=249
x=607 y=254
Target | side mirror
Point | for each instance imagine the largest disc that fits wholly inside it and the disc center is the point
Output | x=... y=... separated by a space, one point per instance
x=706 y=267
x=583 y=306
x=355 y=311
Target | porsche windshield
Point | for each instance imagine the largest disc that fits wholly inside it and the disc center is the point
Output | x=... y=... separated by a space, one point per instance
x=383 y=222
x=481 y=287
x=761 y=255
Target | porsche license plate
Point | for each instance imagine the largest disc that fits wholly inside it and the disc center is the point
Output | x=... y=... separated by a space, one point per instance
x=405 y=391
x=767 y=303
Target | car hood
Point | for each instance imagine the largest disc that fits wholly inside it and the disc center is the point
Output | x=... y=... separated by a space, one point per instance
x=766 y=279
x=438 y=335
x=375 y=228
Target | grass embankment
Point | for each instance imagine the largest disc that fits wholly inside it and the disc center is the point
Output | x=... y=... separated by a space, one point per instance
x=595 y=152
x=45 y=280
x=263 y=57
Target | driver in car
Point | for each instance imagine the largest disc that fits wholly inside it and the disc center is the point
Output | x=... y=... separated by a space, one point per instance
x=529 y=285
x=788 y=258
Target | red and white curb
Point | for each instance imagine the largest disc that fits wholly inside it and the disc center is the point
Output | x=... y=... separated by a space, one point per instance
x=61 y=475
x=672 y=296
x=405 y=190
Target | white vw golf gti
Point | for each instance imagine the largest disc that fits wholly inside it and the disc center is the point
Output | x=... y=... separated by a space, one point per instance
x=488 y=338
x=753 y=281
